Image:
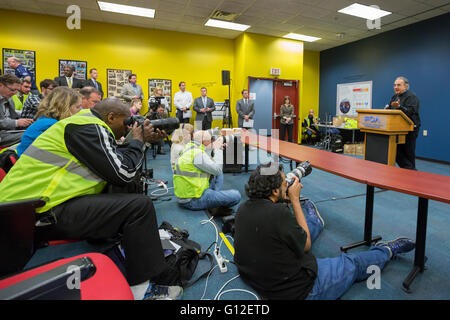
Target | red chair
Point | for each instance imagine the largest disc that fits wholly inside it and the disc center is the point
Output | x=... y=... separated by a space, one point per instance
x=91 y=276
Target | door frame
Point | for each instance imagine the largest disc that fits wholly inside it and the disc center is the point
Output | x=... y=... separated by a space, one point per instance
x=295 y=101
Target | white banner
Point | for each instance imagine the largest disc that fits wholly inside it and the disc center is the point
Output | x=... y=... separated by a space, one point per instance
x=352 y=96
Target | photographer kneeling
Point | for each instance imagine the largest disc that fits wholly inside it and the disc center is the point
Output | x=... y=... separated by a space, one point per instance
x=192 y=174
x=70 y=165
x=272 y=246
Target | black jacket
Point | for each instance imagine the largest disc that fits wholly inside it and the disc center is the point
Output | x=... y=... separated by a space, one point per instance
x=409 y=104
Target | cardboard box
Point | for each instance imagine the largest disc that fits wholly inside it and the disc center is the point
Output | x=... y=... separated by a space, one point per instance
x=349 y=149
x=359 y=149
x=337 y=121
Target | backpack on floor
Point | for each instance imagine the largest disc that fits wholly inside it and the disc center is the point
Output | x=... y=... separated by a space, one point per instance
x=7 y=159
x=182 y=263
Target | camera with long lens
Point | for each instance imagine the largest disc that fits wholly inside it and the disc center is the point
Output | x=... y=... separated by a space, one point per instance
x=302 y=170
x=168 y=125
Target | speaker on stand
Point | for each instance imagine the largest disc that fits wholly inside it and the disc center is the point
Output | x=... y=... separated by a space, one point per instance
x=227 y=118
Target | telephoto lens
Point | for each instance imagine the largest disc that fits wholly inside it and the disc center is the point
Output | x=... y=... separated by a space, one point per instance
x=303 y=169
x=129 y=121
x=169 y=125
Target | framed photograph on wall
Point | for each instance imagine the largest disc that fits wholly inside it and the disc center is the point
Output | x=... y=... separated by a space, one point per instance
x=165 y=85
x=116 y=79
x=27 y=59
x=80 y=68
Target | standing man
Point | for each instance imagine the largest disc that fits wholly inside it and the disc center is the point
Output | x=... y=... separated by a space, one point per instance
x=92 y=82
x=245 y=109
x=18 y=100
x=183 y=101
x=23 y=73
x=406 y=101
x=30 y=106
x=9 y=120
x=132 y=90
x=204 y=106
x=68 y=80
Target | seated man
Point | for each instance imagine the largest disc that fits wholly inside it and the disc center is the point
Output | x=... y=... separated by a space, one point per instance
x=31 y=106
x=273 y=246
x=9 y=120
x=70 y=165
x=191 y=179
x=311 y=126
x=19 y=99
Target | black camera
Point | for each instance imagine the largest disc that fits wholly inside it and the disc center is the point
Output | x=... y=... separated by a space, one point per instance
x=168 y=125
x=303 y=169
x=155 y=103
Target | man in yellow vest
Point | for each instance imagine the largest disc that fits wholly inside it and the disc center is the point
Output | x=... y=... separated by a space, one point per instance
x=192 y=174
x=20 y=97
x=311 y=128
x=70 y=164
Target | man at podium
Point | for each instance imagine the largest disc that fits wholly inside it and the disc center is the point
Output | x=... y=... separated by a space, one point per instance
x=406 y=101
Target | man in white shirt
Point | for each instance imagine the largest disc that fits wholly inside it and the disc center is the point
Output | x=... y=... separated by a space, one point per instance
x=183 y=101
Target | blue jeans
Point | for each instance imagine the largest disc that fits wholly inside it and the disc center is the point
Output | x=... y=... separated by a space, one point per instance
x=213 y=197
x=336 y=275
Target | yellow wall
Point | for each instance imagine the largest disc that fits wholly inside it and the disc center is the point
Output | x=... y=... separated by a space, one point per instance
x=198 y=60
x=310 y=89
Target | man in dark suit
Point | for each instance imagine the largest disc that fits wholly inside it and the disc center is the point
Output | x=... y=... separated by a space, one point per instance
x=68 y=80
x=204 y=106
x=245 y=108
x=92 y=82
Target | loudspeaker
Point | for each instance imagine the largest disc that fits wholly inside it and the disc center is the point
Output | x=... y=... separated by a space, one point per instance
x=225 y=77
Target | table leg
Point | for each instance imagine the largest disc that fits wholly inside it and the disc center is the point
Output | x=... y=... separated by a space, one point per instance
x=367 y=223
x=246 y=148
x=419 y=255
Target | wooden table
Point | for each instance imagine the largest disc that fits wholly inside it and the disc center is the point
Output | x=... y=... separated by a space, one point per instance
x=423 y=185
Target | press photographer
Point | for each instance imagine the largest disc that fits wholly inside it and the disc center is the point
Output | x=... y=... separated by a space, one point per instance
x=70 y=164
x=272 y=246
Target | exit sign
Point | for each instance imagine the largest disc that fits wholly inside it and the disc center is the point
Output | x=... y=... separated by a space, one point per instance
x=275 y=71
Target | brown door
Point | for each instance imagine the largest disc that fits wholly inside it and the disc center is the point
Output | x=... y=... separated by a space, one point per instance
x=283 y=88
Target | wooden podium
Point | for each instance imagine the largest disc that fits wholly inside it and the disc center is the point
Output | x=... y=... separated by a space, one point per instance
x=383 y=130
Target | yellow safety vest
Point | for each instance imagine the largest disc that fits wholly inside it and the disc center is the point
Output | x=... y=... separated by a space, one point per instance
x=188 y=181
x=18 y=105
x=48 y=170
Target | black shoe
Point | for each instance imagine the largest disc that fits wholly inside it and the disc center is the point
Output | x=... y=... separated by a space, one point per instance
x=220 y=211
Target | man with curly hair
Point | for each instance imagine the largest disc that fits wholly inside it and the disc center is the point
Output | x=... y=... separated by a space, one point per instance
x=273 y=246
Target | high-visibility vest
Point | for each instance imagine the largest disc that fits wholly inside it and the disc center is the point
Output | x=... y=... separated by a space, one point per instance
x=48 y=170
x=309 y=123
x=188 y=181
x=18 y=105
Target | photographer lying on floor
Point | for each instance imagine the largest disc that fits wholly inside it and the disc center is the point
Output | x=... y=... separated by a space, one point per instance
x=70 y=164
x=273 y=246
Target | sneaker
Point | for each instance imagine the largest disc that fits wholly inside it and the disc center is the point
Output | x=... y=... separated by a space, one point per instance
x=396 y=246
x=158 y=292
x=311 y=210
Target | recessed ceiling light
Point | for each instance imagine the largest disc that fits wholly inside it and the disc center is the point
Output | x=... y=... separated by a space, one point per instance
x=365 y=12
x=226 y=25
x=121 y=8
x=301 y=37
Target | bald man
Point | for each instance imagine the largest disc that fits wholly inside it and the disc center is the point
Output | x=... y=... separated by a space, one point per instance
x=79 y=156
x=23 y=73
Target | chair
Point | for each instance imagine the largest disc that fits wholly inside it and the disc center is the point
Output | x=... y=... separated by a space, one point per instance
x=96 y=275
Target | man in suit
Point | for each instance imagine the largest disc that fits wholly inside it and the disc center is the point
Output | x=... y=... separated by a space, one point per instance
x=92 y=82
x=68 y=80
x=132 y=90
x=245 y=109
x=204 y=106
x=9 y=120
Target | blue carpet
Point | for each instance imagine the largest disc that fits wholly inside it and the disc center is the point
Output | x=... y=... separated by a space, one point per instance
x=341 y=203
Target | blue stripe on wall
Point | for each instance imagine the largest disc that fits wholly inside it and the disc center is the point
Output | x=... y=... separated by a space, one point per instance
x=421 y=53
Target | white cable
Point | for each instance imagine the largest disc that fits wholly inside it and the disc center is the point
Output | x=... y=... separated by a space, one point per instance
x=220 y=290
x=206 y=285
x=217 y=231
x=241 y=290
x=221 y=242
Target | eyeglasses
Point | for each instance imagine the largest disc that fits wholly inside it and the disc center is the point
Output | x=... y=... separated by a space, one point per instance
x=12 y=90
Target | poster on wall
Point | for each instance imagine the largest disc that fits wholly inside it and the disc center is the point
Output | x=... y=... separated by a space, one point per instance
x=80 y=68
x=165 y=85
x=116 y=79
x=27 y=59
x=352 y=96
